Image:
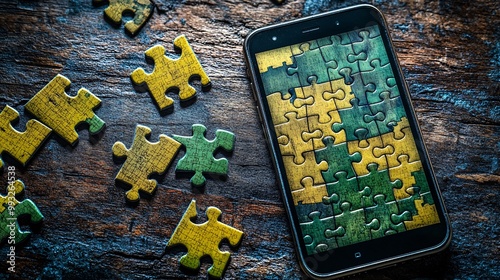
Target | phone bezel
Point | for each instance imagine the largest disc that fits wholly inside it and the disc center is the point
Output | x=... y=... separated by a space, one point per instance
x=432 y=238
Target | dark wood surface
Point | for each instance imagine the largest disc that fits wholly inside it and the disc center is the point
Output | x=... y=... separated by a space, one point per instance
x=450 y=55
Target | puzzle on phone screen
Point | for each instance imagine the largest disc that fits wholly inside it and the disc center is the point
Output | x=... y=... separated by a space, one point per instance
x=350 y=157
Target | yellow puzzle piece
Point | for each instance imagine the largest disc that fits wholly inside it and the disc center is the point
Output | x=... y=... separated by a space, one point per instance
x=310 y=193
x=170 y=74
x=274 y=58
x=13 y=189
x=21 y=145
x=143 y=159
x=142 y=10
x=204 y=239
x=296 y=172
x=62 y=112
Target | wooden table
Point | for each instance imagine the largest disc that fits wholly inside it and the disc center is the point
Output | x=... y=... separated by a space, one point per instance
x=450 y=54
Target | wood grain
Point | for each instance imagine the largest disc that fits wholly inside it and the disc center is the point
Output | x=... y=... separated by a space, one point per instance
x=450 y=55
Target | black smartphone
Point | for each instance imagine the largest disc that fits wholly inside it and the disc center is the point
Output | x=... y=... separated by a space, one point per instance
x=354 y=173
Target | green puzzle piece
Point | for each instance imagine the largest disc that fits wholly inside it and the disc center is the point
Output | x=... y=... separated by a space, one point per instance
x=338 y=158
x=354 y=224
x=9 y=225
x=388 y=215
x=200 y=151
x=319 y=233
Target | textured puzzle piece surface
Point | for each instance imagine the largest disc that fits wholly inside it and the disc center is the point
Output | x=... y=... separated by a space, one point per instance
x=143 y=159
x=199 y=157
x=142 y=10
x=204 y=240
x=62 y=112
x=342 y=128
x=21 y=145
x=171 y=74
x=319 y=233
x=11 y=209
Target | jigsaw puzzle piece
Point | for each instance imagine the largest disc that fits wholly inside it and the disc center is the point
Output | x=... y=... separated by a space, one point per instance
x=423 y=186
x=323 y=97
x=63 y=113
x=387 y=213
x=142 y=160
x=338 y=158
x=360 y=90
x=427 y=215
x=340 y=51
x=204 y=239
x=20 y=145
x=172 y=74
x=379 y=182
x=354 y=224
x=309 y=168
x=303 y=210
x=408 y=203
x=278 y=80
x=337 y=85
x=320 y=233
x=372 y=47
x=12 y=210
x=310 y=193
x=311 y=63
x=353 y=123
x=326 y=130
x=280 y=104
x=13 y=189
x=142 y=10
x=275 y=58
x=366 y=149
x=403 y=173
x=346 y=190
x=401 y=146
x=393 y=110
x=299 y=139
x=199 y=156
x=382 y=79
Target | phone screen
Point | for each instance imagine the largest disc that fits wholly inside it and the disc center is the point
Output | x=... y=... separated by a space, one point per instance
x=352 y=165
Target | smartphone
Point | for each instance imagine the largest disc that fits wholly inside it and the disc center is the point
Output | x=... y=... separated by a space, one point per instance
x=353 y=170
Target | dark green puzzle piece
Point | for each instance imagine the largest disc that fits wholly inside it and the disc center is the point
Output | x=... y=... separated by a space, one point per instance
x=354 y=224
x=391 y=108
x=386 y=213
x=346 y=190
x=319 y=233
x=199 y=156
x=9 y=223
x=353 y=123
x=311 y=63
x=379 y=182
x=422 y=184
x=278 y=80
x=338 y=158
x=372 y=47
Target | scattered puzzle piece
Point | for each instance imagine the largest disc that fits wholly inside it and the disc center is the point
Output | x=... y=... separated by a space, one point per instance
x=12 y=209
x=170 y=74
x=21 y=145
x=204 y=240
x=141 y=9
x=200 y=151
x=62 y=112
x=143 y=159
